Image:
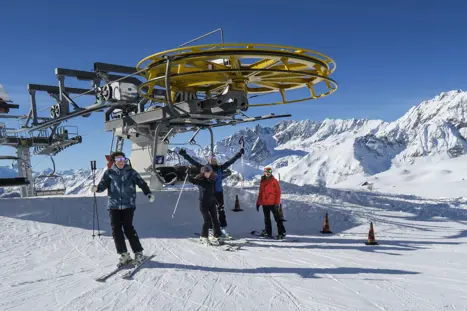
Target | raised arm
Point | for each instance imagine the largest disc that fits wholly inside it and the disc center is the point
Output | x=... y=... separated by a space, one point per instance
x=232 y=161
x=189 y=159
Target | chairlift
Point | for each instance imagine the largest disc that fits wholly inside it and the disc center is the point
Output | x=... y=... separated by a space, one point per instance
x=12 y=181
x=41 y=191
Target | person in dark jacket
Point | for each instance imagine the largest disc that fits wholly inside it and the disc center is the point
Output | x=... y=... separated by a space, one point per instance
x=206 y=182
x=219 y=193
x=120 y=181
x=269 y=197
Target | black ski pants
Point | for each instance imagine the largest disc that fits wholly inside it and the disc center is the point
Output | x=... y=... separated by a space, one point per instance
x=220 y=210
x=123 y=219
x=209 y=212
x=277 y=217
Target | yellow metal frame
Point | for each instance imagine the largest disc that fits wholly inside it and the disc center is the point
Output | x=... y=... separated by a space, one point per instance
x=252 y=68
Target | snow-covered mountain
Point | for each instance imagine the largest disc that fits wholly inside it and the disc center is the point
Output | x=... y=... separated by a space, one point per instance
x=326 y=153
x=329 y=152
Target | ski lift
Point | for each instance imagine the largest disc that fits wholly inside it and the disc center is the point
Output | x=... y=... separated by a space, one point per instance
x=173 y=175
x=41 y=191
x=13 y=181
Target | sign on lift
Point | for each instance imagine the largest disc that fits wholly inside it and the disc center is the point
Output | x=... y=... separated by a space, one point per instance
x=159 y=159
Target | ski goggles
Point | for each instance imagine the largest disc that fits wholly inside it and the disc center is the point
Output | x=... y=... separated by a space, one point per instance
x=120 y=159
x=268 y=170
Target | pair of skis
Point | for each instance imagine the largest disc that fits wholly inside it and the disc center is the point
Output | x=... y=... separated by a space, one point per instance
x=257 y=234
x=227 y=245
x=127 y=275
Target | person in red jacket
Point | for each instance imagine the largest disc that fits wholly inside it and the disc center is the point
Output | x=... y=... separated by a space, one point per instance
x=269 y=197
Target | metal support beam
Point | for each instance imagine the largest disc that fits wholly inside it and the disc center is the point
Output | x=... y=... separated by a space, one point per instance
x=93 y=76
x=56 y=90
x=64 y=105
x=114 y=68
x=32 y=94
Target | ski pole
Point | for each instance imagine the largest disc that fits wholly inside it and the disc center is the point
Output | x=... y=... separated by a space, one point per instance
x=95 y=213
x=180 y=195
x=242 y=143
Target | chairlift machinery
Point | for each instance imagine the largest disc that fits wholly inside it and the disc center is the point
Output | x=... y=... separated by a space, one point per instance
x=189 y=88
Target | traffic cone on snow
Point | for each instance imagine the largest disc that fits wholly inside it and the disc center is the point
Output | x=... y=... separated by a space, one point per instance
x=371 y=236
x=326 y=228
x=237 y=205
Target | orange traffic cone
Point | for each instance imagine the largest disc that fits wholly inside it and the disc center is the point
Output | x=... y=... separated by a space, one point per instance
x=326 y=228
x=371 y=236
x=237 y=205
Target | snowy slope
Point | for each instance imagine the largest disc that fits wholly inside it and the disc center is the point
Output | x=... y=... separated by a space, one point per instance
x=49 y=258
x=430 y=177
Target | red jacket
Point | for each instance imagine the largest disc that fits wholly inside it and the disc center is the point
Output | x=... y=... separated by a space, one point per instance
x=269 y=192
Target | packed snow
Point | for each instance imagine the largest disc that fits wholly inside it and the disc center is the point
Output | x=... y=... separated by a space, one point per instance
x=50 y=259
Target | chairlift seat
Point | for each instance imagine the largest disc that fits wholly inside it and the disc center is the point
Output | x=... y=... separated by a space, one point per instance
x=44 y=191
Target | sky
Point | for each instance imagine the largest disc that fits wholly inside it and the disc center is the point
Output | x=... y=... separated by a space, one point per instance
x=390 y=55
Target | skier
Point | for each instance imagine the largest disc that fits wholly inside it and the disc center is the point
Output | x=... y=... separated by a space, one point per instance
x=120 y=181
x=219 y=193
x=206 y=182
x=269 y=197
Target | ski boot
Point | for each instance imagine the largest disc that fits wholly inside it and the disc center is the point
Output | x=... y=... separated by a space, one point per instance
x=281 y=236
x=265 y=234
x=225 y=234
x=139 y=257
x=216 y=241
x=124 y=259
x=203 y=240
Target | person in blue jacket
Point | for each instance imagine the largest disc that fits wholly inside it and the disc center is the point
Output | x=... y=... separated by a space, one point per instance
x=218 y=170
x=120 y=181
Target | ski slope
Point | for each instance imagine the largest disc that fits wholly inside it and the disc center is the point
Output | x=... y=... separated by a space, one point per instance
x=49 y=259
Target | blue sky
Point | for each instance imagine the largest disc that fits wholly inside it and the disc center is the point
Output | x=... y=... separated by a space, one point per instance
x=390 y=55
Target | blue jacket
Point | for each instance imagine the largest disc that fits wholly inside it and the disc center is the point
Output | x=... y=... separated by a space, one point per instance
x=218 y=169
x=121 y=186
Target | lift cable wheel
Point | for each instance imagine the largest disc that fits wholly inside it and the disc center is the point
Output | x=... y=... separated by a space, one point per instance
x=251 y=68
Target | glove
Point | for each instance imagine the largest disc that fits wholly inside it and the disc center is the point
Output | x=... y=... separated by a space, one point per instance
x=151 y=198
x=94 y=189
x=242 y=151
x=257 y=207
x=182 y=151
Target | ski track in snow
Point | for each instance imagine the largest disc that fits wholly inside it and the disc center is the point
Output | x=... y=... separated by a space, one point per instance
x=50 y=259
